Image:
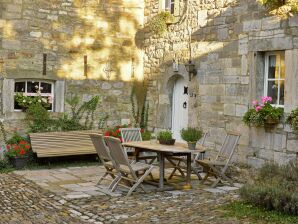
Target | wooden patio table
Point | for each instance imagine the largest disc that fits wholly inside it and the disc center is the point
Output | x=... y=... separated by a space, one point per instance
x=179 y=149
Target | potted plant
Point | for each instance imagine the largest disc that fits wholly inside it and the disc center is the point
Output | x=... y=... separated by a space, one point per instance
x=263 y=114
x=18 y=153
x=165 y=138
x=191 y=136
x=159 y=23
x=292 y=120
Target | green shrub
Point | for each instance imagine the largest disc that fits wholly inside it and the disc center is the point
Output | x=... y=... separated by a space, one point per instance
x=158 y=24
x=292 y=120
x=146 y=135
x=165 y=135
x=16 y=138
x=275 y=188
x=191 y=134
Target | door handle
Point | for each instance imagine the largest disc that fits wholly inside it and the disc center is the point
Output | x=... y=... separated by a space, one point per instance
x=185 y=105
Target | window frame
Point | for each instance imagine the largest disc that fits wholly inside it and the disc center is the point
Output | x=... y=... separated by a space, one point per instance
x=279 y=79
x=52 y=94
x=170 y=6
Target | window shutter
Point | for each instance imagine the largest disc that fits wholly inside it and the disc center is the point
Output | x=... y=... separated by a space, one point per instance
x=59 y=93
x=8 y=96
x=176 y=8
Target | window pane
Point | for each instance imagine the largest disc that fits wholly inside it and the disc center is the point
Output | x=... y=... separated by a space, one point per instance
x=272 y=67
x=273 y=91
x=19 y=87
x=45 y=87
x=282 y=66
x=282 y=93
x=16 y=105
x=32 y=87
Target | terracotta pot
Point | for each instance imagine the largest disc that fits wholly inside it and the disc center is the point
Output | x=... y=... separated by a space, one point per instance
x=167 y=142
x=18 y=162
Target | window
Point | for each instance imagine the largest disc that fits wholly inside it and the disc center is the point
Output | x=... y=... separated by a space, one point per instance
x=32 y=89
x=170 y=6
x=275 y=77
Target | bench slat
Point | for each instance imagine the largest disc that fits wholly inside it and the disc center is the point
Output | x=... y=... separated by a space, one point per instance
x=51 y=144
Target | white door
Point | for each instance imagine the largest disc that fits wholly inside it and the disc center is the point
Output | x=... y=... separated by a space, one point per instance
x=180 y=108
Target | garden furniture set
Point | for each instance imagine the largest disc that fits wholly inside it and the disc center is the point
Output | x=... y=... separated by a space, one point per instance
x=114 y=157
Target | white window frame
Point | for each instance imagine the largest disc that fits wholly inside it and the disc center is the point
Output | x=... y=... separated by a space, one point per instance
x=267 y=79
x=168 y=4
x=52 y=94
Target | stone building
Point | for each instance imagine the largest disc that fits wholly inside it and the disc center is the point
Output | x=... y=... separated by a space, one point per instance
x=97 y=46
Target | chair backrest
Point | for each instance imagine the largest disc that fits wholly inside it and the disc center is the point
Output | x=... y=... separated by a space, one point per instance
x=228 y=147
x=100 y=147
x=131 y=134
x=203 y=139
x=117 y=151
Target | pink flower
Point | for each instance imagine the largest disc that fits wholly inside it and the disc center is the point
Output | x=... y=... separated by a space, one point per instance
x=264 y=99
x=258 y=108
x=270 y=99
x=255 y=103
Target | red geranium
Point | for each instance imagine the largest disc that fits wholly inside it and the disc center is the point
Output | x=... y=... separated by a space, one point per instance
x=20 y=149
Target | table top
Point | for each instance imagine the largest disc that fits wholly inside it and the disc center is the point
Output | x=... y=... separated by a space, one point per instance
x=177 y=148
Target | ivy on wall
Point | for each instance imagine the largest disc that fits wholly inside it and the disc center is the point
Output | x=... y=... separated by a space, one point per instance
x=282 y=8
x=159 y=23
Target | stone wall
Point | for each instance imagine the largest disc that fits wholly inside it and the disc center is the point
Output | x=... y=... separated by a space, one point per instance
x=66 y=31
x=226 y=38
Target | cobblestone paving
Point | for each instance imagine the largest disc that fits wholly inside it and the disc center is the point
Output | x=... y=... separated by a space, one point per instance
x=22 y=201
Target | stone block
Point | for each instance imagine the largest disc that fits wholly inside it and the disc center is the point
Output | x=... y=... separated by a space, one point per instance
x=36 y=34
x=266 y=154
x=106 y=86
x=14 y=8
x=270 y=23
x=232 y=71
x=11 y=44
x=257 y=138
x=229 y=109
x=293 y=21
x=202 y=18
x=255 y=162
x=219 y=21
x=252 y=25
x=223 y=34
x=282 y=158
x=231 y=79
x=164 y=99
x=271 y=44
x=295 y=42
x=241 y=110
x=292 y=145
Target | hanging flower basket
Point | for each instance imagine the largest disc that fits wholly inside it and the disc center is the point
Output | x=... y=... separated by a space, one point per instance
x=270 y=124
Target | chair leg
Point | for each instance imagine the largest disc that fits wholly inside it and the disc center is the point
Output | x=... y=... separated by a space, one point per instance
x=139 y=181
x=102 y=178
x=116 y=179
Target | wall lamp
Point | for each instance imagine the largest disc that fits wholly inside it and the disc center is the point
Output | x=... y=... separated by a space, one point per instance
x=191 y=69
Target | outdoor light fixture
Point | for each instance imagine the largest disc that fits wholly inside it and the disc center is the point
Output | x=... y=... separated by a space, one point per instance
x=191 y=69
x=175 y=66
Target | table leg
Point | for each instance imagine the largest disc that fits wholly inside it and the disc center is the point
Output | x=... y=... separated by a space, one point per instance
x=137 y=154
x=188 y=184
x=161 y=170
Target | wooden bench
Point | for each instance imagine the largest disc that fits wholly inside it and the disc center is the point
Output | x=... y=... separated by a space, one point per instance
x=52 y=144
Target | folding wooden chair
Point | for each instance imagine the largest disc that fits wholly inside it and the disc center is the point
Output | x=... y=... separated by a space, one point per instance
x=105 y=157
x=220 y=164
x=179 y=163
x=126 y=170
x=132 y=135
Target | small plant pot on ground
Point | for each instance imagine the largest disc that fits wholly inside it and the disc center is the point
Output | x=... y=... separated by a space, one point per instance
x=191 y=145
x=167 y=142
x=18 y=162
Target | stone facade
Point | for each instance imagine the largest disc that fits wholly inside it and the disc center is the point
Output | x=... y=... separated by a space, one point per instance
x=225 y=38
x=66 y=31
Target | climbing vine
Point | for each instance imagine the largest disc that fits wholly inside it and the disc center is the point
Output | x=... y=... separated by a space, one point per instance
x=281 y=7
x=159 y=23
x=139 y=104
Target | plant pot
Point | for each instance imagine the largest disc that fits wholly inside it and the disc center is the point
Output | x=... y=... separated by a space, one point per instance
x=167 y=142
x=18 y=162
x=270 y=124
x=191 y=145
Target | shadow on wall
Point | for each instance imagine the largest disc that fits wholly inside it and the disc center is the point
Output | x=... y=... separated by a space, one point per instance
x=103 y=31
